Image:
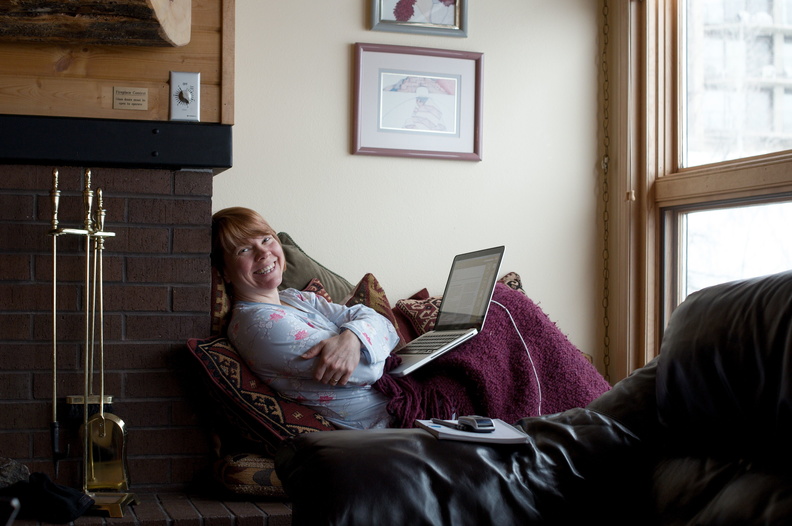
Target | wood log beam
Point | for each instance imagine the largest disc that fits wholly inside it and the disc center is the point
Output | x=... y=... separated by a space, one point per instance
x=121 y=22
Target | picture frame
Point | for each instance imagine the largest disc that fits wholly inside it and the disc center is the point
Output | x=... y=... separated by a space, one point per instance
x=418 y=102
x=428 y=17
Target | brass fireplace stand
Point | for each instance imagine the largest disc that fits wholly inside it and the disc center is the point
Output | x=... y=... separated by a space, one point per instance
x=104 y=469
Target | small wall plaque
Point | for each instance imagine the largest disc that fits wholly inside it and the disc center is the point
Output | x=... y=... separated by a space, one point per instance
x=130 y=98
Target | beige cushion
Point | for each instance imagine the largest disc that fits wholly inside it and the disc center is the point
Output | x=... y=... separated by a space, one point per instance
x=302 y=268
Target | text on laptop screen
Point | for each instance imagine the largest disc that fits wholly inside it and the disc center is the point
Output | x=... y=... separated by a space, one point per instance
x=467 y=294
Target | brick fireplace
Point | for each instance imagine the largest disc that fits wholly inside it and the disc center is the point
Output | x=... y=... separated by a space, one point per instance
x=157 y=295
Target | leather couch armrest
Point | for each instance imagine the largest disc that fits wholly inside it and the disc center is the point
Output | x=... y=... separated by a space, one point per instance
x=633 y=402
x=567 y=472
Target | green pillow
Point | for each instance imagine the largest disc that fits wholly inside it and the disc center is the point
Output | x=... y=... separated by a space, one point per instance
x=302 y=268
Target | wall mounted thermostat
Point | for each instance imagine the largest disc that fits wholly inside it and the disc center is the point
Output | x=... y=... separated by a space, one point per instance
x=185 y=96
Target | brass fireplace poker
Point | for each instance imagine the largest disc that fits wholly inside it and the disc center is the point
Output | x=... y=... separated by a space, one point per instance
x=57 y=452
x=105 y=475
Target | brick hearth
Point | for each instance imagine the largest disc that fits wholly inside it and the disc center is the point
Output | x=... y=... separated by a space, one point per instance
x=157 y=294
x=170 y=509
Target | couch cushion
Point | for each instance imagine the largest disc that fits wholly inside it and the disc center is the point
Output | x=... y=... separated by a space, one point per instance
x=725 y=368
x=249 y=474
x=221 y=304
x=421 y=313
x=317 y=287
x=727 y=491
x=370 y=293
x=302 y=268
x=253 y=411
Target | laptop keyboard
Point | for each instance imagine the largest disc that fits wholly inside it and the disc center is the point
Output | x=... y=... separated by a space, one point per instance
x=430 y=342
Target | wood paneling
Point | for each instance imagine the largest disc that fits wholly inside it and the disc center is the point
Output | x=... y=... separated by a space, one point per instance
x=77 y=80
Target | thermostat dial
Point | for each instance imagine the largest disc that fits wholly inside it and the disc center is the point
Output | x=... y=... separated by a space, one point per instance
x=185 y=104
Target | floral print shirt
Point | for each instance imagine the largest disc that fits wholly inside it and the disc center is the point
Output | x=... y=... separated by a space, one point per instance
x=272 y=338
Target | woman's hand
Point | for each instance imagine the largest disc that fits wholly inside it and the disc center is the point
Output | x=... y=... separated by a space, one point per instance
x=337 y=357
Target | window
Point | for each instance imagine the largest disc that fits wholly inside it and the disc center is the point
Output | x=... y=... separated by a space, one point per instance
x=734 y=76
x=703 y=131
x=726 y=243
x=736 y=104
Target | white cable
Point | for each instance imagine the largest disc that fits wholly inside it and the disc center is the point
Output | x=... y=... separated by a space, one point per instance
x=536 y=374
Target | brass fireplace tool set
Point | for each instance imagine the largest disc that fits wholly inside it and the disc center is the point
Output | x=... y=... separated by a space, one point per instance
x=103 y=434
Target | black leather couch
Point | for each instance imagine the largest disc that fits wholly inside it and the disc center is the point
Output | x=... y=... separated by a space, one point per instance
x=701 y=435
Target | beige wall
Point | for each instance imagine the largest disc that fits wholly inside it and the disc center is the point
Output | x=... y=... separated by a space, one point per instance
x=404 y=219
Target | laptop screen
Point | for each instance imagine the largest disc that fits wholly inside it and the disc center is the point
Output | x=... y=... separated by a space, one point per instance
x=469 y=289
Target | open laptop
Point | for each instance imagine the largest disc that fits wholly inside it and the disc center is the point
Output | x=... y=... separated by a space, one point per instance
x=463 y=309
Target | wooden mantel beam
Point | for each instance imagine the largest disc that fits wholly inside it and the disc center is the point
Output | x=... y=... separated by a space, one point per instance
x=122 y=22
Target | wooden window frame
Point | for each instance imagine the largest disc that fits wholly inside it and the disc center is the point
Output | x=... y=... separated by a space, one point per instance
x=645 y=178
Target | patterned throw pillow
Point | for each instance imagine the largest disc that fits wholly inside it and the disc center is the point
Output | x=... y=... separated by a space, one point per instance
x=317 y=288
x=249 y=474
x=371 y=294
x=422 y=313
x=253 y=411
x=221 y=304
x=513 y=280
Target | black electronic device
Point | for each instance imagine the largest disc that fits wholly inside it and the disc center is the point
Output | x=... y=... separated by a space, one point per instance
x=471 y=423
x=476 y=424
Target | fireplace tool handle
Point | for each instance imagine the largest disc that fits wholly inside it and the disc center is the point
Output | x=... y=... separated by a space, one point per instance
x=99 y=284
x=88 y=225
x=57 y=452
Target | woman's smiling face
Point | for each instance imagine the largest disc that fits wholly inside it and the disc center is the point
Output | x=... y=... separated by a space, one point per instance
x=255 y=268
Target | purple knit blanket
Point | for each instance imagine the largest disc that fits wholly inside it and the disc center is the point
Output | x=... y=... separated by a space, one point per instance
x=495 y=375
